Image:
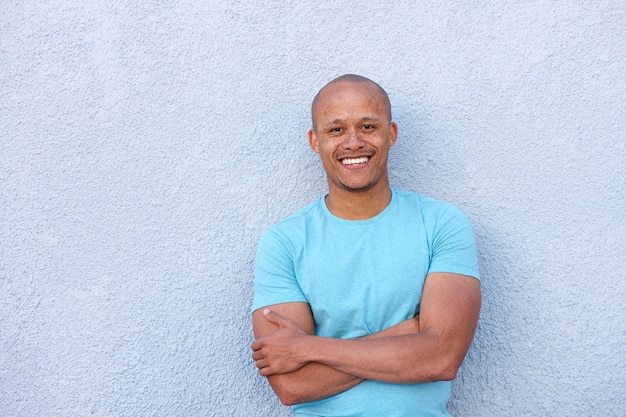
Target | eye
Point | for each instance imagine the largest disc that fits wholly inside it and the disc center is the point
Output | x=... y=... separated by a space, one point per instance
x=366 y=127
x=335 y=129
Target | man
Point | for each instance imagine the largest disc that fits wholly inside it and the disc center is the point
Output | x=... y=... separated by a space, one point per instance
x=367 y=300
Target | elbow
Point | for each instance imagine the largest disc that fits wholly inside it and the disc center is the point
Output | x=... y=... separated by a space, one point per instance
x=434 y=374
x=447 y=373
x=443 y=369
x=291 y=398
x=288 y=398
x=286 y=393
x=447 y=369
x=444 y=362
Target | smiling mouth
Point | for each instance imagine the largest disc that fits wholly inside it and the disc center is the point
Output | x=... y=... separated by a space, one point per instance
x=355 y=161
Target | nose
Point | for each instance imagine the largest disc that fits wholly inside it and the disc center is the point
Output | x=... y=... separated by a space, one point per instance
x=353 y=140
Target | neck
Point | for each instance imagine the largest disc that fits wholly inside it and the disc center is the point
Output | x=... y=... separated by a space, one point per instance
x=358 y=205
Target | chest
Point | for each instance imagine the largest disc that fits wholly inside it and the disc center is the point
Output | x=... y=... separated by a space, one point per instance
x=360 y=281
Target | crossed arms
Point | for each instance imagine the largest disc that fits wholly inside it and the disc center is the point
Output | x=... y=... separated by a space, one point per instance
x=302 y=367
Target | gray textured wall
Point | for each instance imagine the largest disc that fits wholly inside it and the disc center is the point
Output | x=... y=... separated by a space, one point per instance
x=143 y=149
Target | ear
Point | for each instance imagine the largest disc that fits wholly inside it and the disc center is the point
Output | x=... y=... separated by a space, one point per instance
x=393 y=133
x=313 y=141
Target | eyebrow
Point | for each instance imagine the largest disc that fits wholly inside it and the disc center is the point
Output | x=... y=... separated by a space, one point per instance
x=363 y=119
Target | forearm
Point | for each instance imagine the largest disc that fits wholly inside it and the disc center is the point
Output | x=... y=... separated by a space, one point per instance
x=412 y=358
x=449 y=314
x=316 y=381
x=312 y=382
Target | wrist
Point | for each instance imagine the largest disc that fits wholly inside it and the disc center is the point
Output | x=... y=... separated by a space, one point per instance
x=314 y=348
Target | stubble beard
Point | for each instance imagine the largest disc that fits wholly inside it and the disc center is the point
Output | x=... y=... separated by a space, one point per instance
x=356 y=189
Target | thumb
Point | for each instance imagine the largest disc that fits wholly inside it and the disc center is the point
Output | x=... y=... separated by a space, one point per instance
x=276 y=318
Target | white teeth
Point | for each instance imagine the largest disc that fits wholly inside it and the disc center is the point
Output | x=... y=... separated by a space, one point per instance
x=354 y=161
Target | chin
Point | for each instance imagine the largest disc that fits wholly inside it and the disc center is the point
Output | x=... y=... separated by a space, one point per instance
x=357 y=188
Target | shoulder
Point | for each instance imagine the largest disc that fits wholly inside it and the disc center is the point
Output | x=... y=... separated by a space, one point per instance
x=429 y=208
x=305 y=215
x=439 y=218
x=294 y=226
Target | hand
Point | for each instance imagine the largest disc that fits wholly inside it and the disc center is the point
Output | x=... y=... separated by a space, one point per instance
x=283 y=351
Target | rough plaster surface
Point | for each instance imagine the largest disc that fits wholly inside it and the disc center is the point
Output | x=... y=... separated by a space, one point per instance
x=144 y=147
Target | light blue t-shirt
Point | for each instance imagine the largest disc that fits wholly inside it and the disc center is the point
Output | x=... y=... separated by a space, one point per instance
x=361 y=277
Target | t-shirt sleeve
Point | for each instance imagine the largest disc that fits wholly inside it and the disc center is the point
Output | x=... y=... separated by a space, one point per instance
x=454 y=247
x=274 y=273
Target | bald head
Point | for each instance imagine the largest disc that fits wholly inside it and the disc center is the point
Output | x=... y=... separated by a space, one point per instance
x=349 y=79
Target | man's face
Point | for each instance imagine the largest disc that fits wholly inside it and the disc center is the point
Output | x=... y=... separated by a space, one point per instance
x=352 y=132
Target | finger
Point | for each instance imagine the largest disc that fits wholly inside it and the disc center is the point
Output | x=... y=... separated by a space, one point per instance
x=261 y=363
x=256 y=345
x=257 y=355
x=276 y=318
x=267 y=371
